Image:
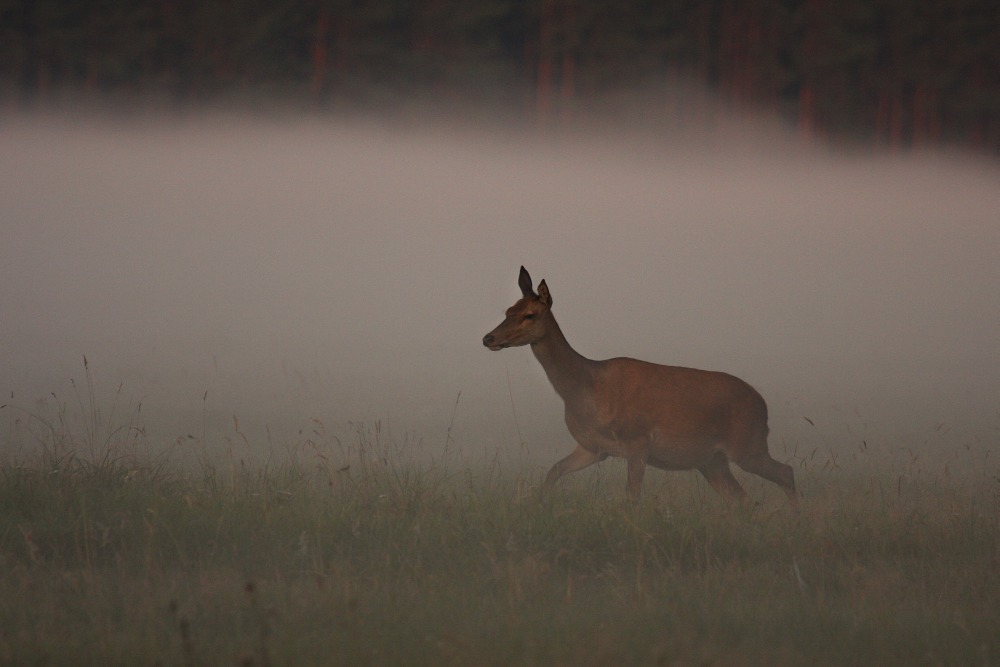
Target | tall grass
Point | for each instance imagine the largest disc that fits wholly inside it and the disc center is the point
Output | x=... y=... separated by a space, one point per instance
x=337 y=552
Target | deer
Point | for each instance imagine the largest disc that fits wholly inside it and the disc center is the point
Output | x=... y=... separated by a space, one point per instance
x=667 y=417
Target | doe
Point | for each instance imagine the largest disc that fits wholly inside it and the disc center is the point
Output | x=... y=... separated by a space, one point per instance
x=669 y=417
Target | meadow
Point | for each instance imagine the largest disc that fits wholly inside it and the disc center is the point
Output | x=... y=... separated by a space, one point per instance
x=352 y=551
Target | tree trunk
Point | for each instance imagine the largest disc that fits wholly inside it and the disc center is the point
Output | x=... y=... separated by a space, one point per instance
x=896 y=121
x=544 y=83
x=320 y=54
x=926 y=124
x=807 y=113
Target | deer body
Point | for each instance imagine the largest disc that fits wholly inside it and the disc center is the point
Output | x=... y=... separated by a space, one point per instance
x=667 y=417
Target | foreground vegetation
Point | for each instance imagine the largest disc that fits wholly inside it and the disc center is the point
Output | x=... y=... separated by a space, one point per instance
x=336 y=554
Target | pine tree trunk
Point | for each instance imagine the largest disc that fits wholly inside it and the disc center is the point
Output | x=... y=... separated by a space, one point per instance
x=544 y=83
x=807 y=113
x=320 y=54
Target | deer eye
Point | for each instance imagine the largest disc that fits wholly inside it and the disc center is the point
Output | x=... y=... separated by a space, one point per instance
x=529 y=316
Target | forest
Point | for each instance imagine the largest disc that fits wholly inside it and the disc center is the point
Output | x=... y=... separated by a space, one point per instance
x=895 y=73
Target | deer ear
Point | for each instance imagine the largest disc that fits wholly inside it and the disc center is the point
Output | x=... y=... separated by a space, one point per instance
x=543 y=293
x=524 y=282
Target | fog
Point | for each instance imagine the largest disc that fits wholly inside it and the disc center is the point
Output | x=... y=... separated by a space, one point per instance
x=292 y=271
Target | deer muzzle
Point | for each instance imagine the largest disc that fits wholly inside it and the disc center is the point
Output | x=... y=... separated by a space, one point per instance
x=490 y=341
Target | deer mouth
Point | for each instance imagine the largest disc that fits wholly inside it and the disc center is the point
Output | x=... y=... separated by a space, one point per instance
x=491 y=342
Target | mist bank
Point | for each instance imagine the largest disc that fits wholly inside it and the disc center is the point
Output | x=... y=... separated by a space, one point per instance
x=298 y=270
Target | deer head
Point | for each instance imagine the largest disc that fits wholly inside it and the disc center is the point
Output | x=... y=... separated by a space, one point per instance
x=526 y=321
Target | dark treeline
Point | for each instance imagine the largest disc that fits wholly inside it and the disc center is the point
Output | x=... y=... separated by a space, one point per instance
x=897 y=72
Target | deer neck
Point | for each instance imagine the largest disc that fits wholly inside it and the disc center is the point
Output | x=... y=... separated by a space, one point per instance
x=567 y=370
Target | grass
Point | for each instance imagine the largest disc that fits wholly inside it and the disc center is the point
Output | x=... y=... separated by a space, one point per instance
x=335 y=554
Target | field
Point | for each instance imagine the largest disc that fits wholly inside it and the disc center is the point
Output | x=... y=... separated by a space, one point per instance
x=330 y=552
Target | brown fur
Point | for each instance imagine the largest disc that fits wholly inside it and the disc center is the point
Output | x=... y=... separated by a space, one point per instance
x=668 y=417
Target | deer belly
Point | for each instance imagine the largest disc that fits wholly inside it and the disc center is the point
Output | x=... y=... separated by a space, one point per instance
x=680 y=453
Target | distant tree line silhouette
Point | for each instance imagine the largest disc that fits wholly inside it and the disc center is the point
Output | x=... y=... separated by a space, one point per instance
x=898 y=72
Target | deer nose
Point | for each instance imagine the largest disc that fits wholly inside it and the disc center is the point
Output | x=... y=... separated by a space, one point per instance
x=488 y=340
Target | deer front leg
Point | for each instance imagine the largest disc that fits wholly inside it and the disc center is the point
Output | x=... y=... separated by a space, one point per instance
x=578 y=459
x=636 y=469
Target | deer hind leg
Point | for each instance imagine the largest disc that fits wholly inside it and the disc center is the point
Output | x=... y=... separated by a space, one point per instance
x=578 y=459
x=718 y=474
x=773 y=471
